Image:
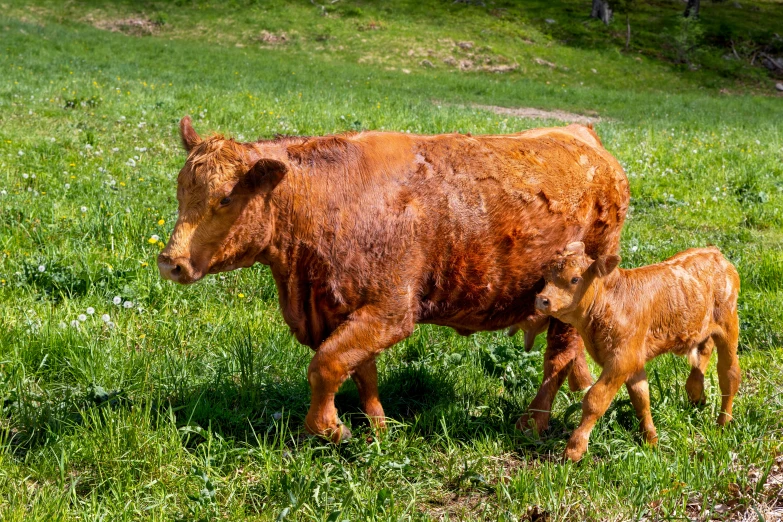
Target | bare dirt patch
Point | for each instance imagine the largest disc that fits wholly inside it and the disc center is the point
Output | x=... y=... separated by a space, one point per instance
x=269 y=38
x=134 y=26
x=541 y=114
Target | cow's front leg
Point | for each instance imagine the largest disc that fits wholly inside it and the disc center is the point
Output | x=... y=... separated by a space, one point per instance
x=564 y=347
x=366 y=378
x=367 y=332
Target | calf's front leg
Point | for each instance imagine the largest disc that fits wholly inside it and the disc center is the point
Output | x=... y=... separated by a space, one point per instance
x=594 y=405
x=564 y=357
x=350 y=348
x=639 y=392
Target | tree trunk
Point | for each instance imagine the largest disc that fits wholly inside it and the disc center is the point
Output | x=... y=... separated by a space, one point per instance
x=692 y=9
x=628 y=31
x=602 y=11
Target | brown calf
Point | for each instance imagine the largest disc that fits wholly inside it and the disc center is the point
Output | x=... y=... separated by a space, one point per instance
x=684 y=305
x=368 y=234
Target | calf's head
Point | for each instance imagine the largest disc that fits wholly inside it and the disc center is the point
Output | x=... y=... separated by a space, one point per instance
x=224 y=220
x=568 y=278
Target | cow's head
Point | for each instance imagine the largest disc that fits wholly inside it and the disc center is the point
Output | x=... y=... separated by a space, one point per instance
x=224 y=219
x=568 y=278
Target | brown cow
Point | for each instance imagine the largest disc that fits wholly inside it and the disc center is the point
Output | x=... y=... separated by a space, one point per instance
x=369 y=233
x=685 y=305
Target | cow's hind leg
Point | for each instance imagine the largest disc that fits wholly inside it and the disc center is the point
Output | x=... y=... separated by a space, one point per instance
x=699 y=359
x=564 y=348
x=352 y=344
x=366 y=378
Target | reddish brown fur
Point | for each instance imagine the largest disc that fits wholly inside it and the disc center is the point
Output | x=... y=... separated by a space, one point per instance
x=685 y=305
x=368 y=234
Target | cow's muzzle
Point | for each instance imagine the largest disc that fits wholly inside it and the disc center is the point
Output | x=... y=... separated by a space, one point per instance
x=179 y=269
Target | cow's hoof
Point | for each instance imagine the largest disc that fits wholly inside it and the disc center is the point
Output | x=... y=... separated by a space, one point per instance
x=339 y=434
x=529 y=422
x=336 y=433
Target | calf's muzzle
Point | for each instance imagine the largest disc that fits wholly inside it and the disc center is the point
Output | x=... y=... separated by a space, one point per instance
x=542 y=303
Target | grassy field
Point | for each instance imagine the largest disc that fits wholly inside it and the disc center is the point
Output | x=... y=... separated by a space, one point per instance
x=125 y=397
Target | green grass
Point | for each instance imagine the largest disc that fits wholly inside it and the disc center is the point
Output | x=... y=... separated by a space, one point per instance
x=190 y=407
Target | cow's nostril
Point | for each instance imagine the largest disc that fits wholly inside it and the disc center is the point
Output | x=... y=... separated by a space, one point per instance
x=545 y=301
x=176 y=270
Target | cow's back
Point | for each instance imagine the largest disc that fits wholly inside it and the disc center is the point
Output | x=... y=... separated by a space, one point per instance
x=457 y=227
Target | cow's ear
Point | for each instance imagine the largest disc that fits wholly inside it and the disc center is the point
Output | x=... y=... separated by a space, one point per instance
x=605 y=264
x=189 y=136
x=264 y=175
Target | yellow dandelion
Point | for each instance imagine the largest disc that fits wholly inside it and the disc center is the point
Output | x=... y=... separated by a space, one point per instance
x=161 y=222
x=241 y=296
x=142 y=336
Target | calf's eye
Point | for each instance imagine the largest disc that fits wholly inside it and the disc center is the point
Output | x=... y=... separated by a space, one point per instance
x=575 y=281
x=225 y=201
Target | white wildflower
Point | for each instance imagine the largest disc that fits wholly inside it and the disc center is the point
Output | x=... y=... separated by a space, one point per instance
x=83 y=209
x=42 y=268
x=90 y=310
x=105 y=318
x=75 y=323
x=82 y=317
x=117 y=300
x=127 y=304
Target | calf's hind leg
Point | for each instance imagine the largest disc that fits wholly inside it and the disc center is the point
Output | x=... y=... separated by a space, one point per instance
x=728 y=368
x=699 y=360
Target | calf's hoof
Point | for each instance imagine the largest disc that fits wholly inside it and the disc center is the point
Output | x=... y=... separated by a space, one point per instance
x=651 y=438
x=534 y=422
x=575 y=449
x=724 y=418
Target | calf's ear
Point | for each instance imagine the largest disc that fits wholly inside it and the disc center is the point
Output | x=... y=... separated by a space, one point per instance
x=605 y=264
x=189 y=136
x=264 y=175
x=577 y=247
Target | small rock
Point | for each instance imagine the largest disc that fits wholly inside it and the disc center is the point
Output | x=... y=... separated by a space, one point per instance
x=550 y=21
x=596 y=72
x=465 y=45
x=449 y=60
x=406 y=71
x=427 y=63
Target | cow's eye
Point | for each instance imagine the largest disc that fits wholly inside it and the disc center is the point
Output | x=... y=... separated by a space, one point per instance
x=575 y=281
x=225 y=201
